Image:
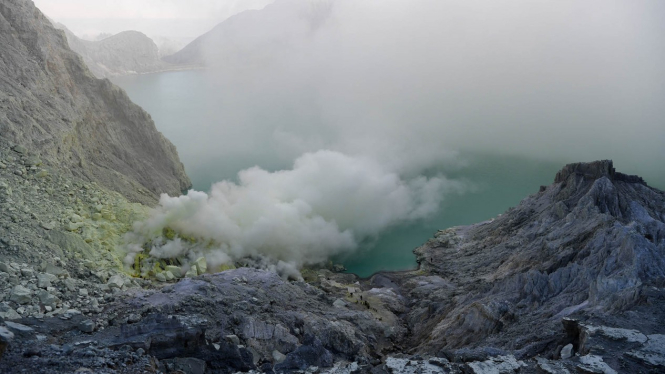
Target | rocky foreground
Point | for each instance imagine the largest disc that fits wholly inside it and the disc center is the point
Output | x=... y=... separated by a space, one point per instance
x=571 y=280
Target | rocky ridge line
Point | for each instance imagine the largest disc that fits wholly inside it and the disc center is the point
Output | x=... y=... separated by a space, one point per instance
x=125 y=53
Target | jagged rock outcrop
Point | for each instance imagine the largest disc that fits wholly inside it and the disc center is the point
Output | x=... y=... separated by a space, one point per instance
x=51 y=103
x=128 y=52
x=592 y=245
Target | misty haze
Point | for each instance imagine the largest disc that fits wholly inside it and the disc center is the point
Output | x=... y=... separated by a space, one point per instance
x=332 y=186
x=497 y=95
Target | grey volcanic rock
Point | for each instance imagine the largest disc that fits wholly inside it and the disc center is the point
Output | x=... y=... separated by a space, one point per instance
x=220 y=322
x=592 y=245
x=47 y=266
x=593 y=171
x=50 y=103
x=128 y=52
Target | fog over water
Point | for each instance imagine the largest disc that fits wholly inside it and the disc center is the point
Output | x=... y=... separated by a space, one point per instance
x=364 y=117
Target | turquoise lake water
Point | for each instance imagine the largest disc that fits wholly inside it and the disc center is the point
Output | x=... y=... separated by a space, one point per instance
x=187 y=109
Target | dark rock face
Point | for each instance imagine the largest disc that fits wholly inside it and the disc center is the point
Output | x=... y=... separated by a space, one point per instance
x=592 y=244
x=234 y=321
x=593 y=171
x=49 y=101
x=6 y=337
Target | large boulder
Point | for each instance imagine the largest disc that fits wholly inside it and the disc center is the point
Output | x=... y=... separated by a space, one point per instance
x=21 y=295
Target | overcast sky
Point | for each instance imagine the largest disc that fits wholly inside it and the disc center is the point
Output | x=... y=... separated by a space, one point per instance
x=177 y=18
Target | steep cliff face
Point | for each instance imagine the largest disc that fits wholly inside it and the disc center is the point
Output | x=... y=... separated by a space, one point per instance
x=590 y=245
x=50 y=102
x=128 y=52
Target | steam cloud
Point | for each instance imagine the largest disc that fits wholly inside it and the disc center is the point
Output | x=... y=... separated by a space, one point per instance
x=326 y=205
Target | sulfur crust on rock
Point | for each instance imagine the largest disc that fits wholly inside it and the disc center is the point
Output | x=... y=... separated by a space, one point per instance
x=65 y=209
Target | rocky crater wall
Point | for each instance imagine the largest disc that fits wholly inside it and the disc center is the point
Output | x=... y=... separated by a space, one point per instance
x=53 y=105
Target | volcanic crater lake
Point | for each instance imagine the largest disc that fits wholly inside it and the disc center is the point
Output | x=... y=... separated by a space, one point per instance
x=189 y=110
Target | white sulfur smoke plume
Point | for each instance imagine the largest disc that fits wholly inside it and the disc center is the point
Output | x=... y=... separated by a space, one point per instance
x=326 y=205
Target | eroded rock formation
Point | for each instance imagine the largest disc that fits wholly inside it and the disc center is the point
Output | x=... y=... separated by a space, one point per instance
x=592 y=241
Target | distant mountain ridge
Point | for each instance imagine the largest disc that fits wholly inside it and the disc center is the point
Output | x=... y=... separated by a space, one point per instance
x=254 y=35
x=51 y=102
x=128 y=52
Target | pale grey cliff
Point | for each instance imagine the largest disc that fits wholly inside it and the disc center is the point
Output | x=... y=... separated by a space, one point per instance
x=51 y=103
